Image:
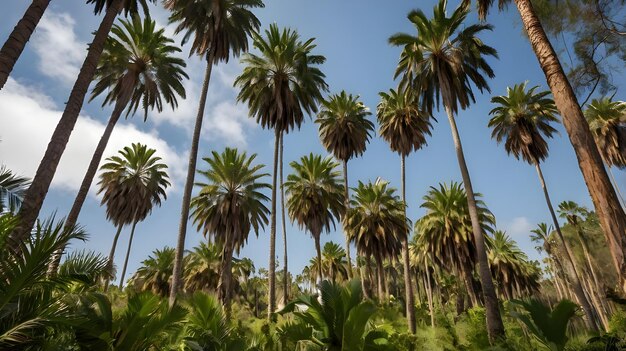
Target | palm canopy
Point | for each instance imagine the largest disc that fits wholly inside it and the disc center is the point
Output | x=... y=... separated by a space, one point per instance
x=155 y=272
x=219 y=25
x=607 y=121
x=541 y=236
x=129 y=6
x=444 y=60
x=510 y=266
x=523 y=119
x=445 y=231
x=231 y=202
x=138 y=67
x=344 y=127
x=315 y=194
x=132 y=184
x=572 y=212
x=334 y=261
x=202 y=267
x=375 y=221
x=402 y=124
x=283 y=81
x=12 y=189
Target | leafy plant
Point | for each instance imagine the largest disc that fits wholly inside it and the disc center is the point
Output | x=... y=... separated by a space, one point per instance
x=548 y=325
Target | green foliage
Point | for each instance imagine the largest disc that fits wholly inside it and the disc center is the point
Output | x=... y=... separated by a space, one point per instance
x=12 y=188
x=547 y=325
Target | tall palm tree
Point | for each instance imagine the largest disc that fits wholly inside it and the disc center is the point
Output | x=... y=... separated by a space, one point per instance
x=34 y=197
x=344 y=131
x=155 y=272
x=138 y=68
x=441 y=63
x=377 y=224
x=445 y=231
x=229 y=205
x=405 y=127
x=218 y=29
x=315 y=197
x=279 y=85
x=611 y=214
x=542 y=236
x=132 y=184
x=334 y=262
x=16 y=42
x=607 y=121
x=12 y=188
x=523 y=118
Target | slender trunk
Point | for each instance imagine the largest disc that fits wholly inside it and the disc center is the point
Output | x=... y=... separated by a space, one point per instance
x=13 y=47
x=271 y=295
x=583 y=242
x=224 y=282
x=616 y=186
x=408 y=287
x=346 y=196
x=112 y=255
x=607 y=206
x=370 y=275
x=177 y=272
x=318 y=251
x=597 y=305
x=362 y=273
x=576 y=282
x=284 y=223
x=495 y=328
x=130 y=243
x=379 y=278
x=34 y=197
x=83 y=191
x=429 y=294
x=469 y=286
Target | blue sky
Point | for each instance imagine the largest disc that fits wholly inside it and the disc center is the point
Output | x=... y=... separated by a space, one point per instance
x=352 y=34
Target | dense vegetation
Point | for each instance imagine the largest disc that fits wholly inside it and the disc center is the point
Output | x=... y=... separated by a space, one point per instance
x=450 y=280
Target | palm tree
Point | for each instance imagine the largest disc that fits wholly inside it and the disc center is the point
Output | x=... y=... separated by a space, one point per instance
x=542 y=236
x=344 y=131
x=218 y=29
x=279 y=85
x=523 y=118
x=334 y=261
x=202 y=268
x=315 y=197
x=137 y=69
x=607 y=121
x=132 y=184
x=229 y=205
x=15 y=44
x=12 y=188
x=377 y=224
x=155 y=272
x=445 y=231
x=34 y=197
x=442 y=63
x=611 y=214
x=405 y=127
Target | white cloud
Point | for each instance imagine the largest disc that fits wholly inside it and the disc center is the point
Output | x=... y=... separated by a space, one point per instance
x=519 y=226
x=27 y=125
x=59 y=51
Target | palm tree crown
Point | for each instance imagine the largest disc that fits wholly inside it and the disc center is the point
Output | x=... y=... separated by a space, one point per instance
x=132 y=184
x=607 y=121
x=315 y=193
x=402 y=124
x=129 y=6
x=443 y=59
x=231 y=203
x=138 y=67
x=343 y=125
x=283 y=80
x=222 y=26
x=523 y=118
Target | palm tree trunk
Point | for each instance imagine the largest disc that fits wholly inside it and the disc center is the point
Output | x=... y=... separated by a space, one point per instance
x=408 y=287
x=370 y=275
x=72 y=217
x=429 y=294
x=13 y=47
x=130 y=243
x=224 y=282
x=177 y=271
x=271 y=295
x=34 y=197
x=495 y=328
x=284 y=224
x=379 y=278
x=362 y=273
x=576 y=282
x=607 y=206
x=346 y=195
x=590 y=265
x=112 y=254
x=318 y=250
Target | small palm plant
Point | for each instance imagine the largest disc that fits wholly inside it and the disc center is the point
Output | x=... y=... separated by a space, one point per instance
x=315 y=197
x=230 y=205
x=202 y=267
x=547 y=325
x=155 y=272
x=12 y=188
x=334 y=261
x=131 y=184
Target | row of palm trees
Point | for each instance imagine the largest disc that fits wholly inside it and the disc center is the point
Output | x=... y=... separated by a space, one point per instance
x=283 y=81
